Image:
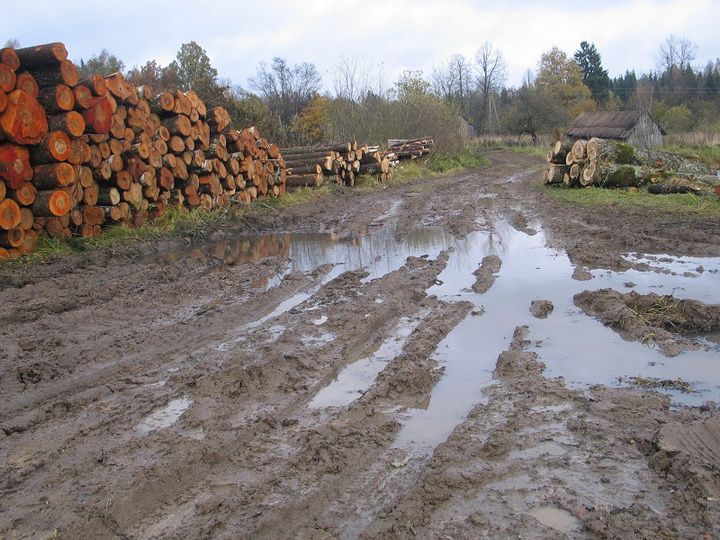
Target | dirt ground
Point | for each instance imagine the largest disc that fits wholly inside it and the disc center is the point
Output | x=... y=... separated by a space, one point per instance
x=173 y=389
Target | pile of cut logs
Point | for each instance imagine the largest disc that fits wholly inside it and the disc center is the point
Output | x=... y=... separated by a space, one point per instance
x=401 y=149
x=308 y=166
x=615 y=164
x=75 y=154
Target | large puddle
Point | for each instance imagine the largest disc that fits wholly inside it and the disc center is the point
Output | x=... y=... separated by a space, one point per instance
x=571 y=344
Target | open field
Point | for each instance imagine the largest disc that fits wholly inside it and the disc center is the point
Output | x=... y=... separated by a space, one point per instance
x=442 y=358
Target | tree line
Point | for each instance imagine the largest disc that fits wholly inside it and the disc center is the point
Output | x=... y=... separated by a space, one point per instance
x=290 y=104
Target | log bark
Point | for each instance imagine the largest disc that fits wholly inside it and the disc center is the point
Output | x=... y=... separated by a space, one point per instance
x=98 y=117
x=53 y=147
x=53 y=175
x=12 y=238
x=96 y=84
x=39 y=56
x=71 y=122
x=52 y=203
x=57 y=99
x=23 y=121
x=65 y=73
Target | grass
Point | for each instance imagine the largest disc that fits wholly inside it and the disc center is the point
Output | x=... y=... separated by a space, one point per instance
x=594 y=197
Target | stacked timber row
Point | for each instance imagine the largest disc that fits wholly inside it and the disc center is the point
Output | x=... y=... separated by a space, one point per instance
x=401 y=149
x=615 y=164
x=75 y=155
x=309 y=166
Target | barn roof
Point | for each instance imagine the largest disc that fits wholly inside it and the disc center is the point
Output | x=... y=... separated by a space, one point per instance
x=607 y=125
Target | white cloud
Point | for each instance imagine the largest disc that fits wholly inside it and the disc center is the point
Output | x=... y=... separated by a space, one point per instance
x=400 y=34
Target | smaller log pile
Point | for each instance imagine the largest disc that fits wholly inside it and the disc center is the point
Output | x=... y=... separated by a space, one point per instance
x=615 y=164
x=401 y=149
x=309 y=166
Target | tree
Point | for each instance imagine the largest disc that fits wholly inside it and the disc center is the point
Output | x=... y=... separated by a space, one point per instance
x=594 y=76
x=351 y=78
x=676 y=53
x=286 y=89
x=559 y=78
x=533 y=111
x=103 y=63
x=492 y=71
x=310 y=125
x=195 y=72
x=453 y=82
x=12 y=42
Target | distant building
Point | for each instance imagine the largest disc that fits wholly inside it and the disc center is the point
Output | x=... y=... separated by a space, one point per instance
x=634 y=127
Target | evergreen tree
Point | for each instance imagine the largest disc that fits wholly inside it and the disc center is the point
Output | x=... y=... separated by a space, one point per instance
x=595 y=77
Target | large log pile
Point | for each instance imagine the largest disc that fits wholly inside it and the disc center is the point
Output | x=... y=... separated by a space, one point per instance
x=75 y=155
x=309 y=166
x=615 y=164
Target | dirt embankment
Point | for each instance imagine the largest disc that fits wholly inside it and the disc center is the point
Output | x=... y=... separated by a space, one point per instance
x=168 y=390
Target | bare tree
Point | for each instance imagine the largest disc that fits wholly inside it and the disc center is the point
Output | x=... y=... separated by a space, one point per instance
x=352 y=78
x=452 y=82
x=676 y=53
x=286 y=89
x=12 y=42
x=491 y=74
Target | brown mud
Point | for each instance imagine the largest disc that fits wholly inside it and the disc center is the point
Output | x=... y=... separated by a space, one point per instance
x=171 y=389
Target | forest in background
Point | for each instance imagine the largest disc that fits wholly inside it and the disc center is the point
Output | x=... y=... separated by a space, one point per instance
x=290 y=103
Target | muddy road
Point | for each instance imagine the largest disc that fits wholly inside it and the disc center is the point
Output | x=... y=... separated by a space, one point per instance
x=440 y=359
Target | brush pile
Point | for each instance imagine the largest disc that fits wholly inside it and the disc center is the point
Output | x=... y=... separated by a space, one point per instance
x=78 y=154
x=615 y=164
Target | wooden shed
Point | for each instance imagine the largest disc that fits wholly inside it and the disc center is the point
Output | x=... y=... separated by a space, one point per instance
x=634 y=127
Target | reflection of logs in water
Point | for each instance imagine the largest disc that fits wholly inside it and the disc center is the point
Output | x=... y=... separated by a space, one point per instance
x=236 y=251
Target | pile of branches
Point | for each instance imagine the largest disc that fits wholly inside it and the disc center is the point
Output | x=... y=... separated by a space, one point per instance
x=615 y=164
x=401 y=149
x=309 y=166
x=76 y=155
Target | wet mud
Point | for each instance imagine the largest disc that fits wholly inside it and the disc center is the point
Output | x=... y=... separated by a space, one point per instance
x=458 y=357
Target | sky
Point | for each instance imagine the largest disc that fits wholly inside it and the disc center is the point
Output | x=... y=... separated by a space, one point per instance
x=394 y=35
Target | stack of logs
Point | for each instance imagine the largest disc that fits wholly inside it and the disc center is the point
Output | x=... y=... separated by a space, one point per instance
x=401 y=149
x=308 y=166
x=75 y=155
x=609 y=163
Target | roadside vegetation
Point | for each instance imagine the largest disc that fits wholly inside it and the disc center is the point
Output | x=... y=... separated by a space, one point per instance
x=595 y=197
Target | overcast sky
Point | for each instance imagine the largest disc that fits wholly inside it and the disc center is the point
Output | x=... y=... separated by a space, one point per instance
x=399 y=34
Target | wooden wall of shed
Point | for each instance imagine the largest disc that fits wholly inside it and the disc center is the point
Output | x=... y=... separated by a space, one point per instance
x=646 y=133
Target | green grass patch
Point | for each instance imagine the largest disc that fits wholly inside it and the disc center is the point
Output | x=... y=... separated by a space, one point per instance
x=599 y=197
x=445 y=163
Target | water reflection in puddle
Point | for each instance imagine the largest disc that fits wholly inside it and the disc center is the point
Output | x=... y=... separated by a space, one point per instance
x=356 y=378
x=571 y=344
x=164 y=416
x=556 y=518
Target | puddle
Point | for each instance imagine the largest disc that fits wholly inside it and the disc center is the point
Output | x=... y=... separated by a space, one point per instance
x=356 y=378
x=164 y=416
x=572 y=345
x=322 y=320
x=556 y=518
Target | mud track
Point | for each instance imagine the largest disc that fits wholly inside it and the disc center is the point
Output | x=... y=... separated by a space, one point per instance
x=365 y=366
